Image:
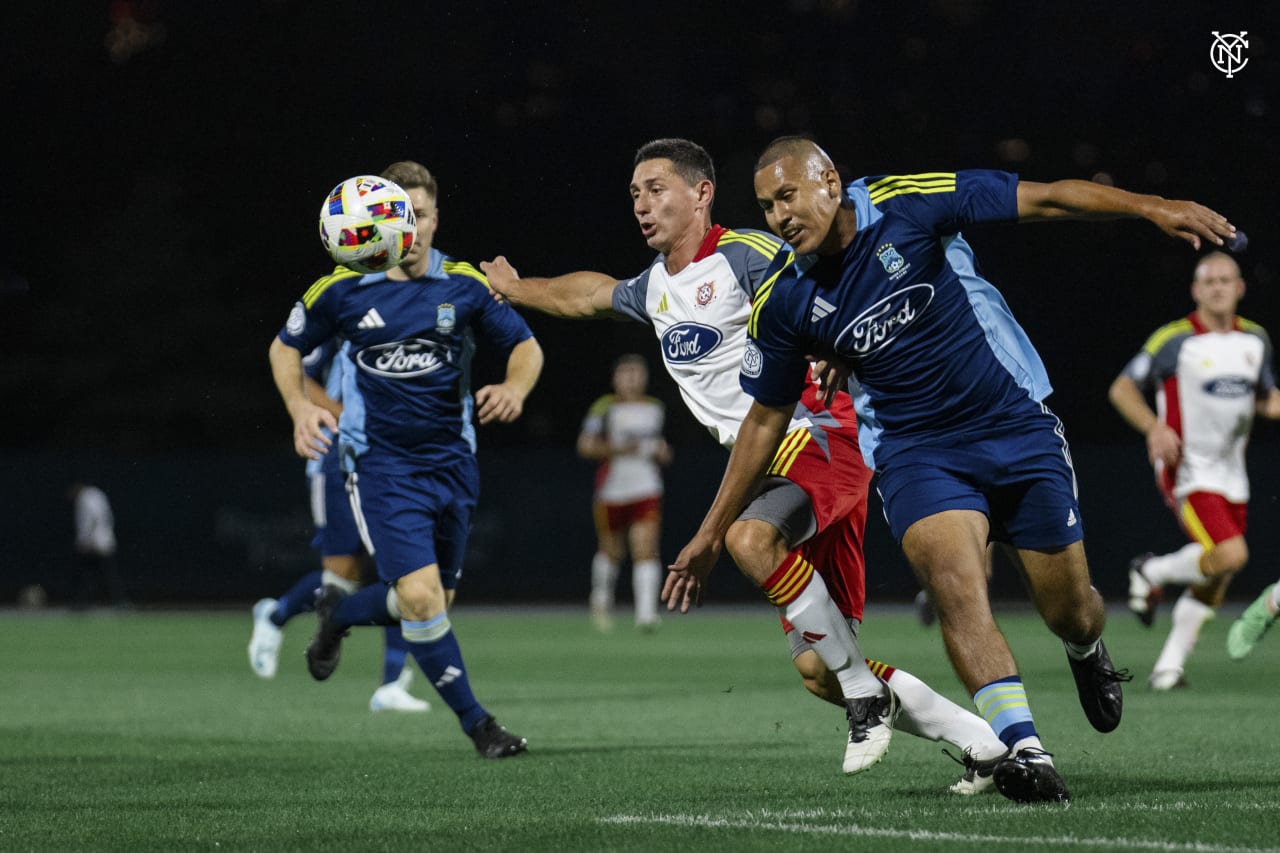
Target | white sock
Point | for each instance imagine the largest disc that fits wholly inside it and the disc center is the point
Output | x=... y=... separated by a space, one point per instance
x=329 y=578
x=1188 y=615
x=1182 y=566
x=928 y=714
x=646 y=577
x=604 y=575
x=1032 y=742
x=816 y=616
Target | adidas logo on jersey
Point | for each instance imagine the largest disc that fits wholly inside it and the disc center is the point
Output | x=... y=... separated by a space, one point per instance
x=821 y=308
x=371 y=320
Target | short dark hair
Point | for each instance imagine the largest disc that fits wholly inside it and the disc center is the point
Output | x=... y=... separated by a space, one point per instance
x=691 y=160
x=785 y=146
x=410 y=175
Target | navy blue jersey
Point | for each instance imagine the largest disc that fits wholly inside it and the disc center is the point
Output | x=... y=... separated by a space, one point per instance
x=934 y=347
x=324 y=365
x=406 y=376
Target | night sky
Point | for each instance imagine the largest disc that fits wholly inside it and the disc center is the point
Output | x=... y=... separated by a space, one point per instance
x=165 y=161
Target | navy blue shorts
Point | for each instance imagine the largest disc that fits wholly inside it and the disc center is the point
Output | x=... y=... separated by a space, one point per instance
x=1020 y=477
x=336 y=531
x=416 y=517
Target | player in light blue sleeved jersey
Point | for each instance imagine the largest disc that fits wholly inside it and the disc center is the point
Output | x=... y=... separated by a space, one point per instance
x=950 y=402
x=406 y=440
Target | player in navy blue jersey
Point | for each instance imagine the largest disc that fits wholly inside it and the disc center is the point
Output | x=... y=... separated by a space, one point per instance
x=950 y=405
x=342 y=555
x=407 y=441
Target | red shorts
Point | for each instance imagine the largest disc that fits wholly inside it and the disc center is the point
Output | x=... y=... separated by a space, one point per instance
x=1209 y=518
x=615 y=518
x=827 y=463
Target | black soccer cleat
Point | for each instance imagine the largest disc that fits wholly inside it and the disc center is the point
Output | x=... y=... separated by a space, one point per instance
x=493 y=741
x=1030 y=777
x=1098 y=684
x=978 y=773
x=326 y=646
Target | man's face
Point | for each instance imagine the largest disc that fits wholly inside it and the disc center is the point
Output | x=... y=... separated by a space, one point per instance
x=1217 y=287
x=799 y=200
x=663 y=203
x=630 y=378
x=424 y=209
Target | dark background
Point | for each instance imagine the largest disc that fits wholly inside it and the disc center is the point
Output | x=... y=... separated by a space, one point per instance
x=164 y=163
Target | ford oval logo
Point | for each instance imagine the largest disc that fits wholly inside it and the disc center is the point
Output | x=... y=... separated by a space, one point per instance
x=685 y=343
x=880 y=324
x=403 y=359
x=1229 y=387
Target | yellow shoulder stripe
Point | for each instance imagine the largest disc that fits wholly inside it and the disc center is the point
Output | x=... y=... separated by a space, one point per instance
x=1165 y=332
x=1247 y=325
x=924 y=183
x=313 y=293
x=464 y=268
x=759 y=242
x=762 y=295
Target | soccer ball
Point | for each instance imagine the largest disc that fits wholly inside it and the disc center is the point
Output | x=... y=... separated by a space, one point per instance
x=367 y=224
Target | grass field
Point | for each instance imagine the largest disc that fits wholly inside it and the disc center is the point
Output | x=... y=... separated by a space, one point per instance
x=147 y=731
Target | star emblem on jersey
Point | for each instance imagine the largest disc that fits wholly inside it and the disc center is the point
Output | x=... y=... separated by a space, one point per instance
x=371 y=320
x=890 y=259
x=446 y=317
x=821 y=308
x=706 y=292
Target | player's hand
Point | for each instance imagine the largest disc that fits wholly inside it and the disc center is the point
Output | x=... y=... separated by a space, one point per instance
x=313 y=429
x=685 y=578
x=1163 y=445
x=1192 y=222
x=500 y=403
x=831 y=373
x=501 y=275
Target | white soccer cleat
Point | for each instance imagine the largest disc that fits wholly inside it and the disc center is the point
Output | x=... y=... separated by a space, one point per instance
x=979 y=774
x=264 y=645
x=1166 y=679
x=871 y=721
x=393 y=697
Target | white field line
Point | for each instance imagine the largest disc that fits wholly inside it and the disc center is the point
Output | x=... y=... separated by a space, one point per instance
x=794 y=824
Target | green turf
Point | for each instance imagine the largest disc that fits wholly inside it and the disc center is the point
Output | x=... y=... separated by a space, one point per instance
x=146 y=731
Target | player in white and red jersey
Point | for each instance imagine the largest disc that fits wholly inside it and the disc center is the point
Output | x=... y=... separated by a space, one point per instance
x=622 y=431
x=800 y=540
x=1210 y=372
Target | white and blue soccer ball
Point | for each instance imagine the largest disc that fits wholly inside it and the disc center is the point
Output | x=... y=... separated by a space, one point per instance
x=367 y=224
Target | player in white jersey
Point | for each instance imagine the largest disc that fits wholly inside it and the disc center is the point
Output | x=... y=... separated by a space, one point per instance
x=801 y=539
x=1210 y=372
x=622 y=431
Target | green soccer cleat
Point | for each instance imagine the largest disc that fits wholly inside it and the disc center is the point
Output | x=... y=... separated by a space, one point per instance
x=1246 y=631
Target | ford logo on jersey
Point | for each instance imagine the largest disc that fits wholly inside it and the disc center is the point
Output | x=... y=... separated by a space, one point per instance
x=1228 y=386
x=876 y=327
x=684 y=343
x=403 y=359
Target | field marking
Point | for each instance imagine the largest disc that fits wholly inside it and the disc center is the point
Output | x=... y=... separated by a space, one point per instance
x=780 y=823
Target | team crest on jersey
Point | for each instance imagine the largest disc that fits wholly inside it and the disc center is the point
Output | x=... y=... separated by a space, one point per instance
x=685 y=343
x=894 y=264
x=706 y=292
x=752 y=361
x=404 y=359
x=297 y=320
x=882 y=323
x=446 y=317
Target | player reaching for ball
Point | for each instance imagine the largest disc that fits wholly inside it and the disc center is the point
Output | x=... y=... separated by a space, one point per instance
x=950 y=407
x=1210 y=372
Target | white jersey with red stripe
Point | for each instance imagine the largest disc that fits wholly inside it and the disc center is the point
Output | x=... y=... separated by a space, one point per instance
x=632 y=429
x=1206 y=386
x=700 y=316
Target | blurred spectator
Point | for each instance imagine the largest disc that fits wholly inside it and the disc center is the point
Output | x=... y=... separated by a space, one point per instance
x=94 y=561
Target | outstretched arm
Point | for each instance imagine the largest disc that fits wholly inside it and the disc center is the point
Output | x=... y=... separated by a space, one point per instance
x=762 y=431
x=505 y=402
x=1184 y=220
x=309 y=420
x=578 y=294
